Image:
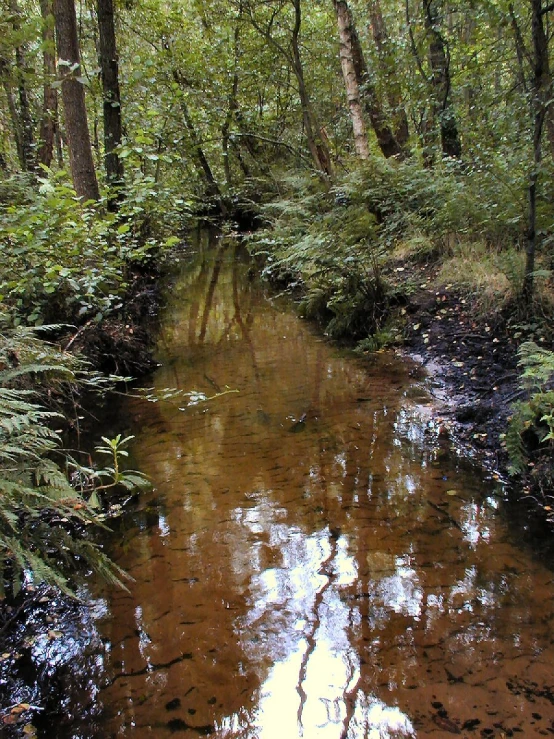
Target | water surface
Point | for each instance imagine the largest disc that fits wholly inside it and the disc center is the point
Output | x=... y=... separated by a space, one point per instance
x=312 y=562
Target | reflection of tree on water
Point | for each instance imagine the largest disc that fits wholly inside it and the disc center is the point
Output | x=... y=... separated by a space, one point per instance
x=323 y=581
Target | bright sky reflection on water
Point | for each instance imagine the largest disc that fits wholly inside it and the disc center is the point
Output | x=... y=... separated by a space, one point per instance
x=313 y=563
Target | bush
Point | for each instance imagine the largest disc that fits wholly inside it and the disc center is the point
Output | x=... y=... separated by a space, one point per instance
x=45 y=519
x=65 y=261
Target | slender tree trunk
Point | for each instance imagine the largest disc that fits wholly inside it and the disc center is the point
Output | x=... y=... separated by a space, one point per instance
x=425 y=125
x=317 y=141
x=385 y=53
x=49 y=120
x=201 y=161
x=232 y=105
x=111 y=98
x=439 y=60
x=12 y=108
x=521 y=51
x=371 y=103
x=315 y=135
x=25 y=117
x=344 y=22
x=541 y=100
x=73 y=96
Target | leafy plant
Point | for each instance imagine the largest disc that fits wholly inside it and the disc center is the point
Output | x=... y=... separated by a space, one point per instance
x=532 y=424
x=61 y=260
x=92 y=481
x=44 y=519
x=326 y=243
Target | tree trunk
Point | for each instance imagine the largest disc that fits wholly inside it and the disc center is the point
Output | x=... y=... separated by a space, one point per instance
x=344 y=22
x=112 y=99
x=73 y=96
x=12 y=108
x=200 y=159
x=232 y=105
x=541 y=100
x=315 y=135
x=385 y=53
x=317 y=141
x=49 y=120
x=439 y=60
x=371 y=103
x=543 y=76
x=26 y=122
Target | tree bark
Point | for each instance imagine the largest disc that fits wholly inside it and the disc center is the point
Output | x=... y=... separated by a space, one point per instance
x=28 y=157
x=541 y=88
x=49 y=120
x=73 y=97
x=232 y=106
x=387 y=62
x=371 y=103
x=202 y=165
x=317 y=141
x=439 y=61
x=12 y=108
x=315 y=134
x=111 y=99
x=344 y=22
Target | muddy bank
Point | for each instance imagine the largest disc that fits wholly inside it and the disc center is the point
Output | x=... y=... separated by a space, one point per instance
x=472 y=366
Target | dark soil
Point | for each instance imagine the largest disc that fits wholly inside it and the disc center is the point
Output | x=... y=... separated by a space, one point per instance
x=472 y=365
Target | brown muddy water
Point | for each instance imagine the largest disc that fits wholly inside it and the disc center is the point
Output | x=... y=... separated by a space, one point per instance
x=313 y=560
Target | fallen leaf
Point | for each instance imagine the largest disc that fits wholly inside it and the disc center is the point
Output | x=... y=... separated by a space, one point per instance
x=16 y=710
x=452 y=492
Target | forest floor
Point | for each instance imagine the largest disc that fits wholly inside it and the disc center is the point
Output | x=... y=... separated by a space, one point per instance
x=471 y=361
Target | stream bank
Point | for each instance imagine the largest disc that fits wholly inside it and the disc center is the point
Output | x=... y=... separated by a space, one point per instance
x=472 y=364
x=57 y=631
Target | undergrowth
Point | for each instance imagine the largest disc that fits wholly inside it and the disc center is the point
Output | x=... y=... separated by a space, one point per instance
x=338 y=245
x=530 y=434
x=48 y=501
x=66 y=261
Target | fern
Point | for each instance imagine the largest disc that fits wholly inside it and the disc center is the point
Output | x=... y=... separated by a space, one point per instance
x=44 y=519
x=537 y=364
x=532 y=424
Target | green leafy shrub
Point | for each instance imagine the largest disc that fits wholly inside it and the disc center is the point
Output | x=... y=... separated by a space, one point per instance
x=337 y=243
x=64 y=261
x=323 y=241
x=44 y=519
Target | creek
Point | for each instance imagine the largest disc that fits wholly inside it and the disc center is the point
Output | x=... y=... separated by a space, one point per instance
x=314 y=559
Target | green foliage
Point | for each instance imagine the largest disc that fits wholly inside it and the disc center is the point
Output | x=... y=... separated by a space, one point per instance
x=44 y=519
x=336 y=244
x=324 y=241
x=532 y=424
x=92 y=481
x=63 y=260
